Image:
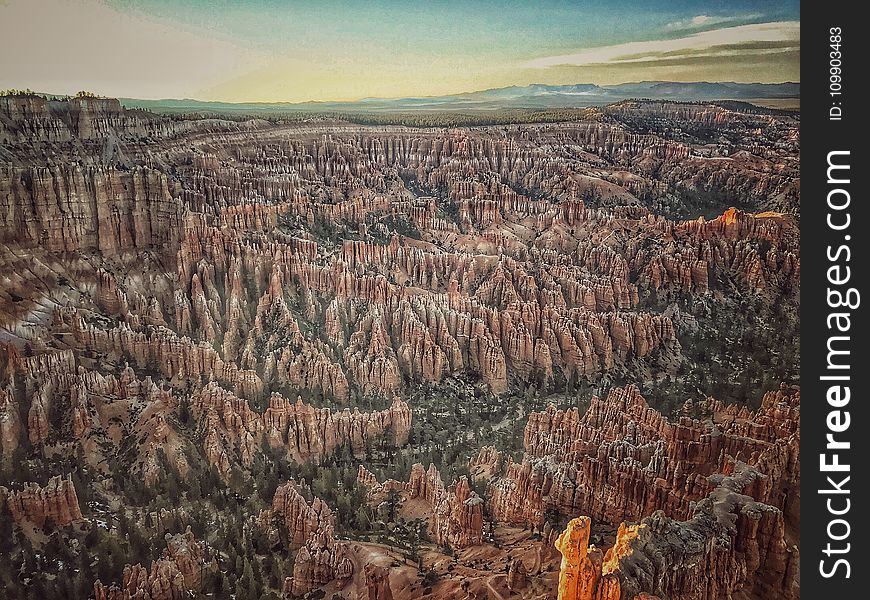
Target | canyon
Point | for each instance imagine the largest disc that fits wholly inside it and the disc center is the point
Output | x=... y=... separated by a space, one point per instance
x=284 y=359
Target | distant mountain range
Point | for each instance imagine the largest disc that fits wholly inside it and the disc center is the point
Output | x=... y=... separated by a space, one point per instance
x=534 y=96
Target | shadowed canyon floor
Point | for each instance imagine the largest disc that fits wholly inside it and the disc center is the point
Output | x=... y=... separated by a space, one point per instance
x=256 y=359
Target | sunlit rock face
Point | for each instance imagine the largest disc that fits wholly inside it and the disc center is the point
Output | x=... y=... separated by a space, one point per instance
x=732 y=542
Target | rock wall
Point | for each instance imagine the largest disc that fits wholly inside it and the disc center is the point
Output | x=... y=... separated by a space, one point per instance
x=731 y=543
x=622 y=460
x=29 y=119
x=70 y=207
x=54 y=505
x=232 y=431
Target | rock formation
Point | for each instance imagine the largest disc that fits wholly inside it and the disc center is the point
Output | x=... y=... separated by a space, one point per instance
x=184 y=295
x=231 y=428
x=10 y=423
x=457 y=512
x=517 y=578
x=731 y=543
x=67 y=208
x=458 y=517
x=580 y=574
x=54 y=505
x=622 y=460
x=378 y=583
x=300 y=520
x=177 y=574
x=560 y=300
x=320 y=558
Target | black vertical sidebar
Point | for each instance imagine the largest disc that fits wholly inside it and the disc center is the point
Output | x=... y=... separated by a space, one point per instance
x=835 y=425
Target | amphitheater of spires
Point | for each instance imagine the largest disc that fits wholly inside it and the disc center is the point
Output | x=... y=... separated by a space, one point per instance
x=203 y=295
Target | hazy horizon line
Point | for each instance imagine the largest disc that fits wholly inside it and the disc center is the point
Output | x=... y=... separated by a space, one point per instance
x=412 y=97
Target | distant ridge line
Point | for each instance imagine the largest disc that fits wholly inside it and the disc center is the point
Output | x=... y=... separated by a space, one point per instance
x=533 y=96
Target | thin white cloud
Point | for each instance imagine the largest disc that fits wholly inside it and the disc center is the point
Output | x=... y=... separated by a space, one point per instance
x=708 y=21
x=715 y=42
x=62 y=46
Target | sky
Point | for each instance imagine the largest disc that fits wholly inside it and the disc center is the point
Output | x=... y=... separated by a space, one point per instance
x=320 y=50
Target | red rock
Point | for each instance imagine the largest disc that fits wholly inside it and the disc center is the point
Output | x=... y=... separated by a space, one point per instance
x=10 y=423
x=55 y=505
x=738 y=544
x=306 y=432
x=457 y=512
x=175 y=575
x=300 y=520
x=319 y=559
x=580 y=576
x=458 y=517
x=37 y=420
x=378 y=583
x=517 y=578
x=622 y=460
x=216 y=280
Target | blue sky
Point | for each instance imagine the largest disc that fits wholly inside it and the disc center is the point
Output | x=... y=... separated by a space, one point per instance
x=273 y=50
